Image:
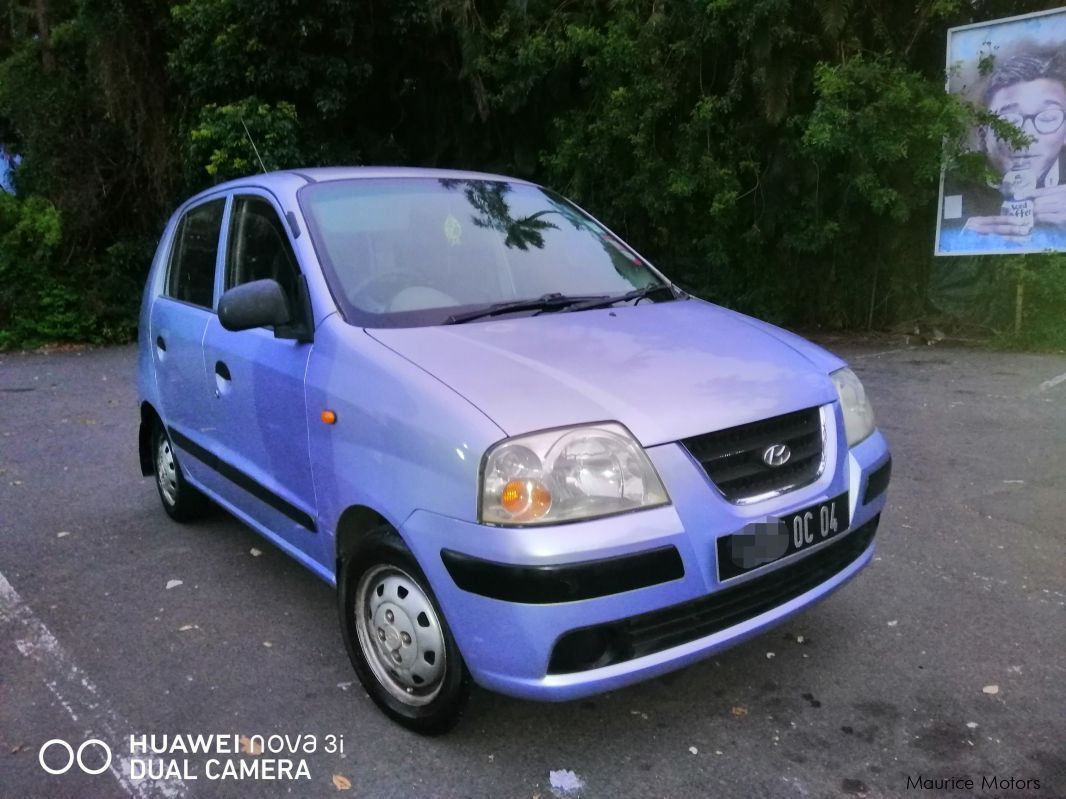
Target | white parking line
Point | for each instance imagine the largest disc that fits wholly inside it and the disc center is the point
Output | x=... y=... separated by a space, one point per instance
x=1053 y=382
x=77 y=694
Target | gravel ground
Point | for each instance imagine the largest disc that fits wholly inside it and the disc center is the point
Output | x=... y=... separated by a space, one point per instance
x=945 y=659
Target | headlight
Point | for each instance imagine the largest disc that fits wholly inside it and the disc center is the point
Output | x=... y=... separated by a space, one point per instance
x=568 y=474
x=858 y=414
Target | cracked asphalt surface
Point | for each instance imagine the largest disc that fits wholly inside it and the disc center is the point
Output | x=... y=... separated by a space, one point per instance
x=945 y=659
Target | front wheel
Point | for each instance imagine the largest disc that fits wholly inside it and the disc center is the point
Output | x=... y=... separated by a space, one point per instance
x=397 y=638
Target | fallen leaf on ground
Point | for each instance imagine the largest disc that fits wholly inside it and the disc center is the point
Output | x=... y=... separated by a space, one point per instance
x=267 y=644
x=893 y=623
x=255 y=552
x=694 y=750
x=186 y=627
x=991 y=690
x=739 y=710
x=173 y=584
x=769 y=655
x=62 y=534
x=341 y=783
x=250 y=747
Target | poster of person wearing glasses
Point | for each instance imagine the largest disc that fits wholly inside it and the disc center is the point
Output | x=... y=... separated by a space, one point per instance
x=1015 y=68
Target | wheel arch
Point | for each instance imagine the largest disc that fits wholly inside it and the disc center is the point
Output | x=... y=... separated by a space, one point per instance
x=149 y=419
x=353 y=527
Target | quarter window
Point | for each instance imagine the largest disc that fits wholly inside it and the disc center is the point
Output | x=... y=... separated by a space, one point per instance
x=192 y=264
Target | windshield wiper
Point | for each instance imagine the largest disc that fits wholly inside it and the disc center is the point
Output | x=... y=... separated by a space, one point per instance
x=635 y=294
x=546 y=302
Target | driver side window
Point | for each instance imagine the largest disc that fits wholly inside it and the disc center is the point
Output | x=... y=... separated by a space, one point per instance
x=258 y=248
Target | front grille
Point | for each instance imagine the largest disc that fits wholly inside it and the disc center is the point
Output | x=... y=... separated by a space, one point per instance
x=733 y=458
x=661 y=629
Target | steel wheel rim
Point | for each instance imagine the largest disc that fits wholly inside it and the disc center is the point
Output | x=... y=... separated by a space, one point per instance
x=166 y=471
x=400 y=635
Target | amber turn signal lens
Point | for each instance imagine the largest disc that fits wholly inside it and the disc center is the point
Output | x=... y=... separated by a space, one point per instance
x=513 y=498
x=329 y=417
x=525 y=499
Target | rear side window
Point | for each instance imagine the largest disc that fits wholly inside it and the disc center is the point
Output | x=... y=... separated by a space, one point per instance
x=192 y=262
x=259 y=248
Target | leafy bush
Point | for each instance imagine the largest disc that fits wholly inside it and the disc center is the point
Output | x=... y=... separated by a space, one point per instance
x=222 y=141
x=34 y=305
x=45 y=299
x=116 y=279
x=984 y=291
x=775 y=156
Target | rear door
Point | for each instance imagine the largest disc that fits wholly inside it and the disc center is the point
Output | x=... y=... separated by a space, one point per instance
x=179 y=319
x=259 y=407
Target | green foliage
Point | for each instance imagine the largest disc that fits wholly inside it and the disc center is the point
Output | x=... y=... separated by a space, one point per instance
x=115 y=279
x=223 y=139
x=777 y=156
x=984 y=292
x=34 y=306
x=751 y=149
x=364 y=80
x=1043 y=301
x=44 y=297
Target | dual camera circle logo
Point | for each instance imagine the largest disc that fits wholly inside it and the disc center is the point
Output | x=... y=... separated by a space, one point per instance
x=73 y=758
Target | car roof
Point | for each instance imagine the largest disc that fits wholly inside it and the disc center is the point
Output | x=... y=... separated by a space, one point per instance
x=288 y=180
x=348 y=172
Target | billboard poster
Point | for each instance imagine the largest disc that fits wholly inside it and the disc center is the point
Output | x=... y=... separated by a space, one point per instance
x=1015 y=68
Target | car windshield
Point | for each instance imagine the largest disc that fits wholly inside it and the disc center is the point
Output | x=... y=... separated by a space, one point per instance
x=406 y=252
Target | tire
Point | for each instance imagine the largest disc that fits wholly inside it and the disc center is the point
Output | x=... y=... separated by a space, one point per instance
x=181 y=501
x=397 y=638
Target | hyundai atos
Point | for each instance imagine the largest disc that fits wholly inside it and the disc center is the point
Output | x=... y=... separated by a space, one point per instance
x=524 y=457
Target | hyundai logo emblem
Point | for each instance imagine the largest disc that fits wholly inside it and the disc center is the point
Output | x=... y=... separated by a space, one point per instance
x=776 y=455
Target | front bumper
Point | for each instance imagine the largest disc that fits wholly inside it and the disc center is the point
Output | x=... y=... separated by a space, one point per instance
x=508 y=637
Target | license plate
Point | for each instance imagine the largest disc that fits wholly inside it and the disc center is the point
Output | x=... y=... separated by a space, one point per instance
x=778 y=537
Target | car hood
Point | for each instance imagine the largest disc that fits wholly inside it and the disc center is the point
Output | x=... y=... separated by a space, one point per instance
x=665 y=370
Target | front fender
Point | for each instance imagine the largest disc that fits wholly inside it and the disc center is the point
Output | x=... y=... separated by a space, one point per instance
x=402 y=441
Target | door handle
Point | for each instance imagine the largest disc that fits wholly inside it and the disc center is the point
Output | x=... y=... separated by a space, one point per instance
x=222 y=380
x=161 y=343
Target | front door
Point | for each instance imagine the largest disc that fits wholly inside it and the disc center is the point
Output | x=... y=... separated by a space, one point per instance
x=257 y=380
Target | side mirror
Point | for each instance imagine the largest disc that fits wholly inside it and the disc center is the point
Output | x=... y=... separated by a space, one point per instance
x=260 y=303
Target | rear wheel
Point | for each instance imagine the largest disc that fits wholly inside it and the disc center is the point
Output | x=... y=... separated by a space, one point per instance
x=181 y=501
x=397 y=638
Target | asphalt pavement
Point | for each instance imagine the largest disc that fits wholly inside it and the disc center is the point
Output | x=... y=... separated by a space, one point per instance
x=944 y=660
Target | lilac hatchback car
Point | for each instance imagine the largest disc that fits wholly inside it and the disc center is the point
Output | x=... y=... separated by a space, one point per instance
x=523 y=456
